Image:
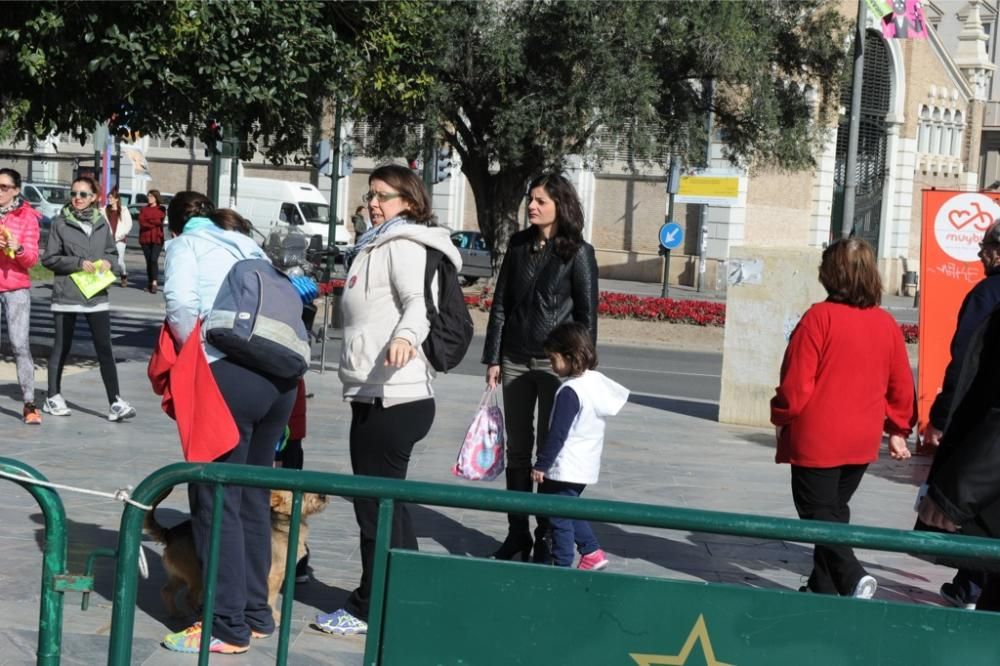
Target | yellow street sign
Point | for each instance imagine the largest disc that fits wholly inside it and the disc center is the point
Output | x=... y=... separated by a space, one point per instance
x=723 y=187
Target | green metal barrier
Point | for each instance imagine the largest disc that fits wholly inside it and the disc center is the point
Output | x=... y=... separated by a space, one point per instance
x=438 y=609
x=50 y=612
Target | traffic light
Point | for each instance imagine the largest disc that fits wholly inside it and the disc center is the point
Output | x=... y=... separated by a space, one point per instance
x=212 y=137
x=347 y=158
x=442 y=164
x=321 y=158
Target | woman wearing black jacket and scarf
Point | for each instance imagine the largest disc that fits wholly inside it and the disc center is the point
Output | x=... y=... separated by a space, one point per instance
x=548 y=277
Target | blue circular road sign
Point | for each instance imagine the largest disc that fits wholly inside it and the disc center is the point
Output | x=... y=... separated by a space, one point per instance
x=671 y=235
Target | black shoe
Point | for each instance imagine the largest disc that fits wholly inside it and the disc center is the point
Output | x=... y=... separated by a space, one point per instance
x=514 y=545
x=956 y=596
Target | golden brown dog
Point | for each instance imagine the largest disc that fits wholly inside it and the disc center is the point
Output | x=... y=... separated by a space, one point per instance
x=181 y=561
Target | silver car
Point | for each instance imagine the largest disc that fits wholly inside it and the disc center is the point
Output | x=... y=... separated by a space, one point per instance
x=475 y=256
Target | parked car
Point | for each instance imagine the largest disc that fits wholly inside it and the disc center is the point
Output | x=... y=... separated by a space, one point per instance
x=475 y=256
x=47 y=198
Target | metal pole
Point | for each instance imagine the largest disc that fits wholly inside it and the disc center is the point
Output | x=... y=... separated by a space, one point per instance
x=118 y=165
x=665 y=291
x=430 y=159
x=703 y=218
x=331 y=238
x=851 y=173
x=214 y=172
x=234 y=167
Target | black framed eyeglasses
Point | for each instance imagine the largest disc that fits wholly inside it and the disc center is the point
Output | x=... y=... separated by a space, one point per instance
x=4 y=187
x=381 y=196
x=81 y=195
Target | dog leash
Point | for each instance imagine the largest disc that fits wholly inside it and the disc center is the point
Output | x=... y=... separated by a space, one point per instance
x=121 y=495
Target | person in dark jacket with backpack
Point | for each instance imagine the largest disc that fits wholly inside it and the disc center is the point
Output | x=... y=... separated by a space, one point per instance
x=386 y=376
x=80 y=240
x=207 y=244
x=548 y=277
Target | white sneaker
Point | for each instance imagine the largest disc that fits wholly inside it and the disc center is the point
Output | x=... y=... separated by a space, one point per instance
x=120 y=410
x=56 y=406
x=865 y=589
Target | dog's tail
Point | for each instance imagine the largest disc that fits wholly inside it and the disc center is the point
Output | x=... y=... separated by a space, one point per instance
x=155 y=530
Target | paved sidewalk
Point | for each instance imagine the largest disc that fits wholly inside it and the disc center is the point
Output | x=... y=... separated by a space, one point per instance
x=659 y=451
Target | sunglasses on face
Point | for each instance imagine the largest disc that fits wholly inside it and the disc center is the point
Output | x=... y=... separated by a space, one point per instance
x=81 y=195
x=4 y=187
x=381 y=196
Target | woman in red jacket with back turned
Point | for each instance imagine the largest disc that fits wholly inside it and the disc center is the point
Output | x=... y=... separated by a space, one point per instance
x=151 y=237
x=845 y=379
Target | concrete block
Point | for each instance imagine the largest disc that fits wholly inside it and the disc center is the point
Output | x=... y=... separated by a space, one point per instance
x=759 y=319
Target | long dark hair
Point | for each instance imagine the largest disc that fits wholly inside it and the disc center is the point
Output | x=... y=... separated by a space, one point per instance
x=186 y=205
x=569 y=213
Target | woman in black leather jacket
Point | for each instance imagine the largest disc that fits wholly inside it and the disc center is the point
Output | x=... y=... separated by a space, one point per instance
x=548 y=277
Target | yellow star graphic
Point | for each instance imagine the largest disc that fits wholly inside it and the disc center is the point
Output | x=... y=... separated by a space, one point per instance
x=698 y=633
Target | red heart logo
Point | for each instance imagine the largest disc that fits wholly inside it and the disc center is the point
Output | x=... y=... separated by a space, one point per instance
x=960 y=218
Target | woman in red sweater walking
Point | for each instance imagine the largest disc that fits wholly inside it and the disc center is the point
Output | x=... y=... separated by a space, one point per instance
x=151 y=237
x=845 y=379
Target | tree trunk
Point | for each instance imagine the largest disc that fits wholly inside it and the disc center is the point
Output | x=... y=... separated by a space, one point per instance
x=498 y=197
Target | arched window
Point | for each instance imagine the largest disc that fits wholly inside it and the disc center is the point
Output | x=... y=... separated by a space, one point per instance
x=935 y=146
x=947 y=132
x=924 y=129
x=956 y=142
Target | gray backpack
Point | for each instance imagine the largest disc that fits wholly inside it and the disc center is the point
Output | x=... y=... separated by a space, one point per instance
x=257 y=321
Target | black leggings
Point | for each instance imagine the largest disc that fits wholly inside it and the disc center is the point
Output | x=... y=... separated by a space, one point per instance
x=100 y=332
x=152 y=254
x=382 y=439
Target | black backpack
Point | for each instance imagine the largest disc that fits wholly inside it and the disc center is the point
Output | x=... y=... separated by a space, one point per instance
x=451 y=324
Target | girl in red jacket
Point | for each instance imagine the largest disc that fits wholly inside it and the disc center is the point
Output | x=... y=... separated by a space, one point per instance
x=845 y=379
x=18 y=253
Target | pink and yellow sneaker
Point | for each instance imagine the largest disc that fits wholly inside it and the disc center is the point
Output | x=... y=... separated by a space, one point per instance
x=189 y=640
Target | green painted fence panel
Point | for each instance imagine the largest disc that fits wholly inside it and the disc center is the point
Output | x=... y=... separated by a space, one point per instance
x=442 y=609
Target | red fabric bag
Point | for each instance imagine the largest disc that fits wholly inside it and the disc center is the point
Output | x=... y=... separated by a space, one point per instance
x=191 y=397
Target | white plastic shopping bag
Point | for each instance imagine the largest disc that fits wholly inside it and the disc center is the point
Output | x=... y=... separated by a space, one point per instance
x=481 y=457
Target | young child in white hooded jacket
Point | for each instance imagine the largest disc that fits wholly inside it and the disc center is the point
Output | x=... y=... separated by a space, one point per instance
x=570 y=458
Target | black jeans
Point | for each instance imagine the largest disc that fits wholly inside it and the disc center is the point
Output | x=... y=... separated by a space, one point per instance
x=382 y=439
x=100 y=333
x=823 y=494
x=260 y=406
x=152 y=254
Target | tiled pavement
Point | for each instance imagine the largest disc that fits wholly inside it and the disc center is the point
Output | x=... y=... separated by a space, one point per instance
x=654 y=453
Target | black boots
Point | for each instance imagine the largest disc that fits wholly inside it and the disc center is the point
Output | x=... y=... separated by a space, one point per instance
x=543 y=542
x=519 y=542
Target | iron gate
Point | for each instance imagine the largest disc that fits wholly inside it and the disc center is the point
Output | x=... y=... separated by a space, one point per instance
x=876 y=93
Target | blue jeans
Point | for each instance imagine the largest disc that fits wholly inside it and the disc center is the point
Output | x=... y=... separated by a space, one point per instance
x=567 y=531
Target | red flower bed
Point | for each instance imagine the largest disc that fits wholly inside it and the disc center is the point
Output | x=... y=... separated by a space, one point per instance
x=650 y=308
x=631 y=306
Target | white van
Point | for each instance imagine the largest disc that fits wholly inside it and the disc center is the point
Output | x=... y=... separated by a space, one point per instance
x=270 y=204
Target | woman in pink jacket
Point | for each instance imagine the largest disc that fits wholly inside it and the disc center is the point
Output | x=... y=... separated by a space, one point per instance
x=18 y=253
